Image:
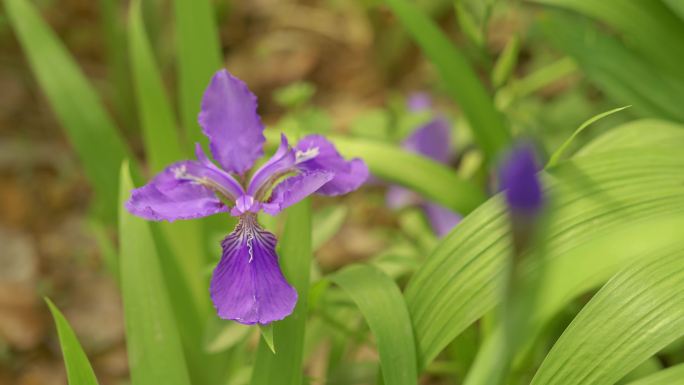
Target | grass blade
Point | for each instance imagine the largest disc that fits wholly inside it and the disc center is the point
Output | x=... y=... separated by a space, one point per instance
x=383 y=306
x=199 y=56
x=555 y=157
x=155 y=353
x=488 y=125
x=79 y=371
x=75 y=103
x=285 y=366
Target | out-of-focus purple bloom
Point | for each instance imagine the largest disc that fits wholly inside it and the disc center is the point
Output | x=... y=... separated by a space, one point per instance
x=247 y=285
x=518 y=178
x=419 y=101
x=432 y=140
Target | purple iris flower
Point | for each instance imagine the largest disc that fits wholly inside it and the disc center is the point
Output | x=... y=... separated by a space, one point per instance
x=432 y=140
x=518 y=178
x=247 y=284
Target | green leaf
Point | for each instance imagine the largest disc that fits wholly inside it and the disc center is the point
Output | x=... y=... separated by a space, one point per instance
x=642 y=23
x=640 y=133
x=162 y=147
x=79 y=371
x=155 y=353
x=589 y=195
x=75 y=103
x=285 y=366
x=637 y=313
x=671 y=376
x=488 y=125
x=506 y=62
x=326 y=223
x=161 y=138
x=573 y=273
x=198 y=57
x=383 y=306
x=267 y=335
x=623 y=74
x=555 y=157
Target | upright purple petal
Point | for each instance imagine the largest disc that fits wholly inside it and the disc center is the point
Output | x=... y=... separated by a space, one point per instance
x=419 y=101
x=432 y=140
x=315 y=153
x=247 y=285
x=518 y=179
x=442 y=220
x=294 y=189
x=177 y=193
x=229 y=119
x=280 y=164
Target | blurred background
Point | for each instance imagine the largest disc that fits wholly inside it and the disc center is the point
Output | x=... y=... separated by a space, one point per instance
x=342 y=66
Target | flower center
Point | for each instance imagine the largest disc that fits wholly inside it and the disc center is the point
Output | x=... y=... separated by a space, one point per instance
x=308 y=154
x=181 y=174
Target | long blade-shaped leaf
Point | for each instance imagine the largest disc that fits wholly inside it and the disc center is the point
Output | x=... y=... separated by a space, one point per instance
x=588 y=195
x=637 y=313
x=199 y=56
x=624 y=75
x=285 y=366
x=79 y=371
x=155 y=353
x=670 y=376
x=77 y=106
x=162 y=145
x=642 y=23
x=383 y=306
x=487 y=123
x=574 y=273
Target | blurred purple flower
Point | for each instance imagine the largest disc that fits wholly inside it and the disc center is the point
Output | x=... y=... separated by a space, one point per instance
x=247 y=285
x=432 y=140
x=518 y=178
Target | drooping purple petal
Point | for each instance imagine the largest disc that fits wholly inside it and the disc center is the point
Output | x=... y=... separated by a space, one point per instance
x=315 y=153
x=294 y=189
x=518 y=179
x=419 y=101
x=280 y=164
x=247 y=285
x=442 y=220
x=432 y=140
x=177 y=193
x=229 y=119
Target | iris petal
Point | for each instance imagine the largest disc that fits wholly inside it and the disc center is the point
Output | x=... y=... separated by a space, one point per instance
x=280 y=163
x=176 y=193
x=518 y=177
x=347 y=175
x=294 y=189
x=442 y=220
x=247 y=285
x=432 y=140
x=229 y=119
